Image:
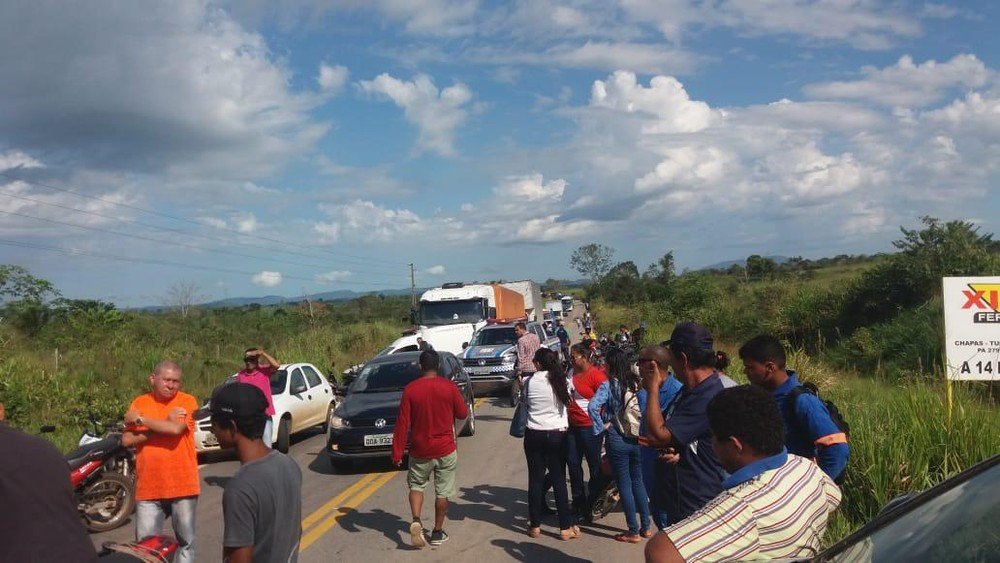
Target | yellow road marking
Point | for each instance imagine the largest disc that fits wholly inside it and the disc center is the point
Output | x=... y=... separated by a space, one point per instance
x=335 y=501
x=321 y=528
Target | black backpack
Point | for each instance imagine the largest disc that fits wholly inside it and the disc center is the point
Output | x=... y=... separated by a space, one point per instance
x=810 y=388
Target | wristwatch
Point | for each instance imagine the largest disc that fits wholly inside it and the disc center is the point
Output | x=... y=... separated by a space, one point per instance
x=138 y=420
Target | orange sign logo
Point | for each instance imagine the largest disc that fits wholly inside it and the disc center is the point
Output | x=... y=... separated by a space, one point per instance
x=982 y=296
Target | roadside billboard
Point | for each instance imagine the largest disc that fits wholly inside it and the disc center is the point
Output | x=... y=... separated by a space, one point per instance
x=972 y=328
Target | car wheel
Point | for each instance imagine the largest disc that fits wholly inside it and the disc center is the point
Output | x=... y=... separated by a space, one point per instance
x=284 y=435
x=469 y=429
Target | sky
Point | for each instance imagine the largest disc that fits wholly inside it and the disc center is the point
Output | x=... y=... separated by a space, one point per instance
x=297 y=146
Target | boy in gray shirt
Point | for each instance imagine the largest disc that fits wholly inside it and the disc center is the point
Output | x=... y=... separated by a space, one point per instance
x=262 y=504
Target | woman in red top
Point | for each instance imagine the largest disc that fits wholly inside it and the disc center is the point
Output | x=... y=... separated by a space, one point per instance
x=582 y=441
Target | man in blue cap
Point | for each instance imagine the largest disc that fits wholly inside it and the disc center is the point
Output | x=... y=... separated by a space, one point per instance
x=689 y=473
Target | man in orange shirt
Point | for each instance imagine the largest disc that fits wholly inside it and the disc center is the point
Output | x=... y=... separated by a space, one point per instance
x=161 y=426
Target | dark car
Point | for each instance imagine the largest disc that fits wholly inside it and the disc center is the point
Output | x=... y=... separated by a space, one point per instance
x=955 y=521
x=363 y=424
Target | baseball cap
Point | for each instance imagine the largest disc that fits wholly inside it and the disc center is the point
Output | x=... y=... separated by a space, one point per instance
x=691 y=335
x=238 y=400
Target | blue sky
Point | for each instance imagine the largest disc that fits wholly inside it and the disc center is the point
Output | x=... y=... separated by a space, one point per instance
x=297 y=146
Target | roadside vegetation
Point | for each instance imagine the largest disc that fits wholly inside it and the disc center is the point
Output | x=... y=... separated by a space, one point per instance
x=868 y=330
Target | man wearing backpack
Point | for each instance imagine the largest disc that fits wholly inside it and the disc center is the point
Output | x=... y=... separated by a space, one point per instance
x=814 y=429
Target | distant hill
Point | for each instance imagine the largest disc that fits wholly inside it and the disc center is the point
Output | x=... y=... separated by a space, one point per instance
x=339 y=295
x=741 y=262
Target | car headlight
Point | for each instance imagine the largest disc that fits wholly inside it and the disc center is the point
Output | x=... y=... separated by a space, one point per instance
x=338 y=422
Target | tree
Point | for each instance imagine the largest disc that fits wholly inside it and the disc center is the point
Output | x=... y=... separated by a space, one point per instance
x=663 y=270
x=17 y=283
x=592 y=260
x=183 y=296
x=759 y=267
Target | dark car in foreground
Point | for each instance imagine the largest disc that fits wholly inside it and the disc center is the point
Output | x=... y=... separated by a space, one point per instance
x=362 y=426
x=957 y=520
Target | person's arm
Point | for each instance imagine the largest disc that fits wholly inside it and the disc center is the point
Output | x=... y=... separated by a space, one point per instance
x=661 y=549
x=242 y=554
x=174 y=425
x=724 y=530
x=401 y=433
x=832 y=450
x=458 y=403
x=656 y=426
x=595 y=405
x=272 y=362
x=131 y=439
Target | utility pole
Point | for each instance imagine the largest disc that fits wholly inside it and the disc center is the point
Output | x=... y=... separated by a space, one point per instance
x=413 y=289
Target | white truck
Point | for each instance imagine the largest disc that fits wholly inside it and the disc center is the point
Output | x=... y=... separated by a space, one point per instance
x=532 y=293
x=449 y=315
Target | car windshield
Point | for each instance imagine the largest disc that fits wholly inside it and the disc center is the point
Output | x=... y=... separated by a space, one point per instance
x=959 y=524
x=383 y=377
x=278 y=380
x=435 y=313
x=494 y=337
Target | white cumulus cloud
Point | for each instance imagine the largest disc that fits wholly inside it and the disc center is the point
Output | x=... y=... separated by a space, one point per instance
x=332 y=78
x=435 y=270
x=436 y=113
x=333 y=276
x=665 y=98
x=908 y=84
x=266 y=278
x=532 y=187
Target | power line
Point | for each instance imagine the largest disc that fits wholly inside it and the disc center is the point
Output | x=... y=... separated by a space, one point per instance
x=184 y=219
x=154 y=261
x=380 y=270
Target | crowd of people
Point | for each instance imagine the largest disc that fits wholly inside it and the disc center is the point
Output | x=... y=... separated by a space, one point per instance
x=723 y=472
x=706 y=470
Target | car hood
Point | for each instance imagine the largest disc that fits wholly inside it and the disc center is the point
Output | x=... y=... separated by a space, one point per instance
x=366 y=405
x=491 y=351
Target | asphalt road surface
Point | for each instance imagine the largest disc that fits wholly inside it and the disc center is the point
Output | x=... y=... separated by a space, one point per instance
x=363 y=515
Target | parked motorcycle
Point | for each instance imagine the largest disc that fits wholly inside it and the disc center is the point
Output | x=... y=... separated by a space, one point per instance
x=102 y=472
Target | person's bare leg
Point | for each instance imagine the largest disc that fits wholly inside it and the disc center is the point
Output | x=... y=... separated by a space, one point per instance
x=440 y=509
x=416 y=504
x=416 y=529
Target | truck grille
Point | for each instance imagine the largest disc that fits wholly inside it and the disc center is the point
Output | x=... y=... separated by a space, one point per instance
x=476 y=362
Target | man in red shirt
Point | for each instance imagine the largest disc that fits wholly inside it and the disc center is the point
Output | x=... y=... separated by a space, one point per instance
x=259 y=375
x=582 y=441
x=427 y=413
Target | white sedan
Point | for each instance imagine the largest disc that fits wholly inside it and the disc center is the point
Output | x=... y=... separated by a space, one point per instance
x=302 y=397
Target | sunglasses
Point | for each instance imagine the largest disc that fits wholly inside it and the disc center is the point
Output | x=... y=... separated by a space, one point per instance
x=250 y=360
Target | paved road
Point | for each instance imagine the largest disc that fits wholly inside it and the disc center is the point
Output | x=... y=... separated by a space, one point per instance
x=363 y=515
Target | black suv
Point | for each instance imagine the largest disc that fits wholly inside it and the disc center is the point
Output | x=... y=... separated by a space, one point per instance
x=363 y=424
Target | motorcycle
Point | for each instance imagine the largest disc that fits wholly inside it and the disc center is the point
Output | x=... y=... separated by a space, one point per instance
x=153 y=549
x=102 y=472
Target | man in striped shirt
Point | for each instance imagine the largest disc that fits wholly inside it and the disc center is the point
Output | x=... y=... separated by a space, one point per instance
x=775 y=504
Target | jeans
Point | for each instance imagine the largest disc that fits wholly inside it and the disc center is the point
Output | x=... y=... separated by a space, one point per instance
x=649 y=469
x=268 y=436
x=149 y=517
x=628 y=472
x=583 y=444
x=545 y=450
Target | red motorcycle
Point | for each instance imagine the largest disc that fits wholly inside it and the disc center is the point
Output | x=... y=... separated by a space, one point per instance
x=102 y=471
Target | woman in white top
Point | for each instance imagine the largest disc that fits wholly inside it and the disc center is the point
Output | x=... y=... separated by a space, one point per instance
x=547 y=398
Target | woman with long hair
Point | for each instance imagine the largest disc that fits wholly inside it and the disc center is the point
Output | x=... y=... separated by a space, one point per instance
x=547 y=399
x=611 y=400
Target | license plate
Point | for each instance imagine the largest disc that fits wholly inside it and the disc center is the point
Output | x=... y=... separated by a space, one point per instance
x=378 y=440
x=211 y=440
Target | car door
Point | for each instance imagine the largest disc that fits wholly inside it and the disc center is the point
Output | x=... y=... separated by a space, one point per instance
x=299 y=402
x=319 y=394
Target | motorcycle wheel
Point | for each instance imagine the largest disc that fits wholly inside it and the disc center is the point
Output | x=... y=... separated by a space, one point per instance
x=605 y=502
x=106 y=503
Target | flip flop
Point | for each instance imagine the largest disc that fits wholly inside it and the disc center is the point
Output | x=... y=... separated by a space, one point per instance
x=628 y=538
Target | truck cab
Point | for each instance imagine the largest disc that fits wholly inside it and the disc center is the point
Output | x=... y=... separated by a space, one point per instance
x=449 y=315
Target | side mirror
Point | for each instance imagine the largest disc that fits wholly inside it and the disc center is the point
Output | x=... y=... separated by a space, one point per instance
x=465 y=345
